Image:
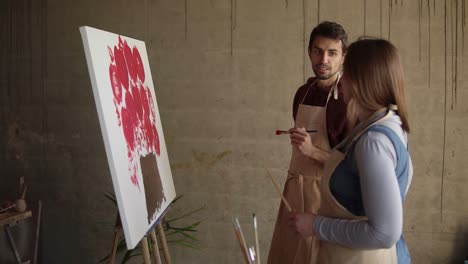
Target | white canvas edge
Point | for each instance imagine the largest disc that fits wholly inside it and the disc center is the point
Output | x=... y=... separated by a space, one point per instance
x=83 y=30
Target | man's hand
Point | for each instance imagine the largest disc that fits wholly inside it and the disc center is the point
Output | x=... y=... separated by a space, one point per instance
x=301 y=140
x=302 y=223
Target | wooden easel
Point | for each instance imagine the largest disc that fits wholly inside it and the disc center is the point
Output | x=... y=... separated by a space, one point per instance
x=144 y=244
x=7 y=221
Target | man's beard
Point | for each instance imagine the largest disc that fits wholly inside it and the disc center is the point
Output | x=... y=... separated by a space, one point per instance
x=326 y=77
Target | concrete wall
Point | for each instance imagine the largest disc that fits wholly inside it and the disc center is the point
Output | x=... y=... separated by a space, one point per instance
x=225 y=73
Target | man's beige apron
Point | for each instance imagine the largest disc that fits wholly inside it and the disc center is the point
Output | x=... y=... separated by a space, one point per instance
x=331 y=253
x=302 y=189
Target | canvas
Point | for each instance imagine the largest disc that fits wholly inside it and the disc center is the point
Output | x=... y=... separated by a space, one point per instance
x=131 y=127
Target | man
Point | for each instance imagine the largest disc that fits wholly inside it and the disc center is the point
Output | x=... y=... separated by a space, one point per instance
x=318 y=105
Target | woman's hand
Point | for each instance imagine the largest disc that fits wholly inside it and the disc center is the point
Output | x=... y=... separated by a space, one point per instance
x=302 y=223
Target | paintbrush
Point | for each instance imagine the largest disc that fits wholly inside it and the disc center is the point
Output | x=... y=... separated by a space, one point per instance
x=256 y=239
x=241 y=239
x=282 y=132
x=252 y=254
x=279 y=191
x=8 y=208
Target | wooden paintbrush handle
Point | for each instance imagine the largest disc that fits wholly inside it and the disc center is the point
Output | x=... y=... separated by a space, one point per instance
x=279 y=192
x=282 y=132
x=241 y=239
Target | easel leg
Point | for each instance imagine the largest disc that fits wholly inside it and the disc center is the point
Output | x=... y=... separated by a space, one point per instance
x=154 y=239
x=38 y=228
x=115 y=243
x=13 y=245
x=162 y=236
x=146 y=254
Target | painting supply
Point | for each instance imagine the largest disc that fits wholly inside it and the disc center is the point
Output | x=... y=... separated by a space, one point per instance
x=131 y=127
x=20 y=204
x=283 y=132
x=252 y=254
x=279 y=191
x=7 y=208
x=241 y=239
x=257 y=244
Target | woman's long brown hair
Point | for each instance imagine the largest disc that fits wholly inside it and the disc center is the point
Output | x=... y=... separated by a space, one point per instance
x=375 y=73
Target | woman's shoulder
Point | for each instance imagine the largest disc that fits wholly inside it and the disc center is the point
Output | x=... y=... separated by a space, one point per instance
x=374 y=144
x=379 y=139
x=394 y=126
x=373 y=140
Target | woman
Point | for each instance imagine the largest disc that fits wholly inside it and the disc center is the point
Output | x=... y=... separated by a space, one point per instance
x=368 y=174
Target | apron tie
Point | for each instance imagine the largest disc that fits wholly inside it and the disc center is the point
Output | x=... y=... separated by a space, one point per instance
x=293 y=175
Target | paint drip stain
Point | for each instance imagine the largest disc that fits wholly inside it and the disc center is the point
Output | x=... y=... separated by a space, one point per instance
x=186 y=18
x=233 y=23
x=419 y=26
x=429 y=49
x=381 y=11
x=390 y=8
x=209 y=160
x=134 y=105
x=202 y=160
x=365 y=16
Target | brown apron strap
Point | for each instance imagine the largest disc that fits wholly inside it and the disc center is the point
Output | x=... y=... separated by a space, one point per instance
x=334 y=90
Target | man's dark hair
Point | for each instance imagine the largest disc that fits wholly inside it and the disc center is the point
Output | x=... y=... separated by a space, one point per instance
x=330 y=30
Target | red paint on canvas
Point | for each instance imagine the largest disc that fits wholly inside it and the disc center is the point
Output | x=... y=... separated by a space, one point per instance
x=134 y=104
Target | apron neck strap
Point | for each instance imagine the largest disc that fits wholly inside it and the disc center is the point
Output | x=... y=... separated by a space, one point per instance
x=333 y=90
